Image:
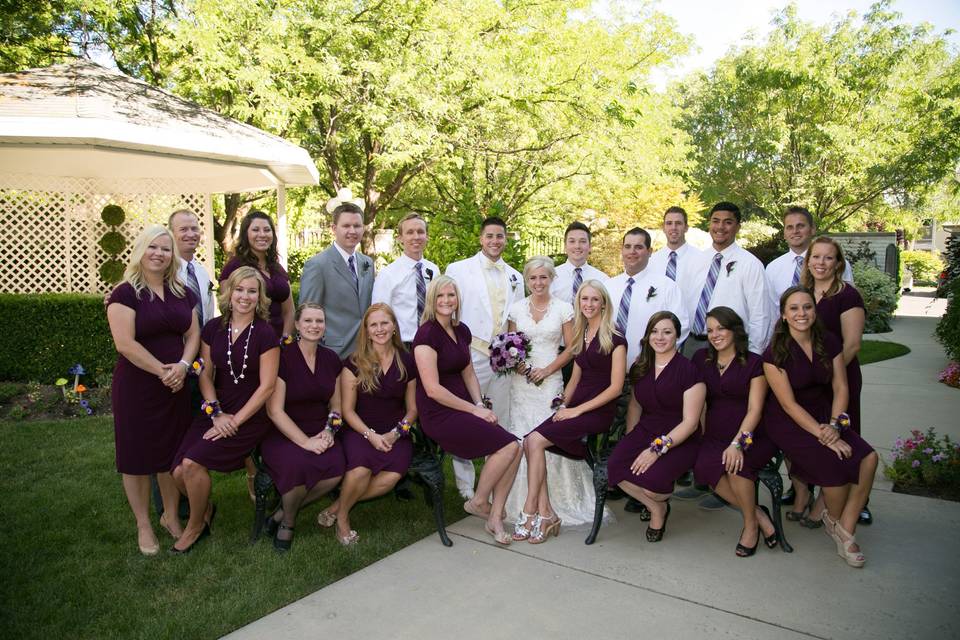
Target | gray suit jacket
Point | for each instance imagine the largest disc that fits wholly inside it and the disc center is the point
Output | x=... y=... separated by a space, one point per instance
x=326 y=280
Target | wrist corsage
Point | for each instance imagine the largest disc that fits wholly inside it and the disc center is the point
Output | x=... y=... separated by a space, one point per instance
x=660 y=445
x=743 y=442
x=334 y=422
x=196 y=367
x=403 y=428
x=287 y=340
x=841 y=422
x=557 y=403
x=485 y=402
x=211 y=408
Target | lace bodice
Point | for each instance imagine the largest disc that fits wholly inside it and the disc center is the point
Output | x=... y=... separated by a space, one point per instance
x=546 y=335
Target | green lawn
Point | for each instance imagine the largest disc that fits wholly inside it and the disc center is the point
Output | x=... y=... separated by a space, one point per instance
x=71 y=568
x=877 y=350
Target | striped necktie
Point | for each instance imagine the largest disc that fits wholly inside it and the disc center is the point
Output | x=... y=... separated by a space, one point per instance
x=351 y=263
x=194 y=285
x=672 y=266
x=421 y=290
x=577 y=281
x=796 y=271
x=703 y=305
x=624 y=311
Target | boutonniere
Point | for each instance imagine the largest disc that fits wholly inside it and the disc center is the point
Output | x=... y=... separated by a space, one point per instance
x=651 y=293
x=730 y=267
x=210 y=287
x=364 y=267
x=513 y=281
x=429 y=273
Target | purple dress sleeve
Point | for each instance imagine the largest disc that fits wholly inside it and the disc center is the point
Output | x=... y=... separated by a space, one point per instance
x=124 y=294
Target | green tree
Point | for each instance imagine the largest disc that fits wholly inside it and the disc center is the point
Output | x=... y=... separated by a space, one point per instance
x=837 y=118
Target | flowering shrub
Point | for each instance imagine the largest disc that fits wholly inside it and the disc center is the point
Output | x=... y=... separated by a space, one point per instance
x=924 y=460
x=951 y=375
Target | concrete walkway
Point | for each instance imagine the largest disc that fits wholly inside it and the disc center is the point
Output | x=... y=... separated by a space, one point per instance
x=690 y=585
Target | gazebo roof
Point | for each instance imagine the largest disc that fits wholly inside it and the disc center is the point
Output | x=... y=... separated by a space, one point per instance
x=83 y=120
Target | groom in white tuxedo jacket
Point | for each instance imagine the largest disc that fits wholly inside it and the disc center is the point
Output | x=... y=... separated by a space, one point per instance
x=488 y=286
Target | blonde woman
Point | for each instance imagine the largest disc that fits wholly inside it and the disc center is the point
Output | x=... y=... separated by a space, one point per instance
x=378 y=390
x=452 y=410
x=156 y=334
x=241 y=353
x=589 y=405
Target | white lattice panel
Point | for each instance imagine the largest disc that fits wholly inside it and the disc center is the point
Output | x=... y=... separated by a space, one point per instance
x=52 y=229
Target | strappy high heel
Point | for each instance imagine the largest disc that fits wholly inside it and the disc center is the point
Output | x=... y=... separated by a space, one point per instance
x=283 y=545
x=845 y=540
x=771 y=540
x=742 y=550
x=523 y=532
x=546 y=527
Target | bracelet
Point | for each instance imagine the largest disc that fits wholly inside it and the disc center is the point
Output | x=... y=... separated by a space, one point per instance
x=485 y=402
x=557 y=403
x=334 y=422
x=403 y=428
x=841 y=422
x=366 y=434
x=186 y=366
x=211 y=408
x=743 y=442
x=660 y=445
x=195 y=368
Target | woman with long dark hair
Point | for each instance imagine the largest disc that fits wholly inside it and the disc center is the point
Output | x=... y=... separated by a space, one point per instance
x=257 y=248
x=805 y=415
x=733 y=449
x=664 y=409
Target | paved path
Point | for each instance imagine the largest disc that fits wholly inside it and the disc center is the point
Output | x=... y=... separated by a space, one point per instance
x=690 y=585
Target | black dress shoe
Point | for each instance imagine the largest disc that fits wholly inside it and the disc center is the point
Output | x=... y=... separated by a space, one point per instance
x=656 y=535
x=635 y=506
x=283 y=546
x=865 y=516
x=788 y=497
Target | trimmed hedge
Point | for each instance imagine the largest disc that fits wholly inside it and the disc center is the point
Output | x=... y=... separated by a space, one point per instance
x=46 y=334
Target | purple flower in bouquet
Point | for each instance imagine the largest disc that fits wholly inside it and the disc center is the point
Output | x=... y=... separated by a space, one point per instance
x=508 y=354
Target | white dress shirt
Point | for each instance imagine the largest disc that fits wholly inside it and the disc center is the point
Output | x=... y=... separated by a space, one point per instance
x=346 y=257
x=206 y=290
x=688 y=261
x=742 y=286
x=562 y=285
x=396 y=285
x=651 y=292
x=780 y=275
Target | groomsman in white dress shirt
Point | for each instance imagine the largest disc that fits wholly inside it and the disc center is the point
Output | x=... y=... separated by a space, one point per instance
x=729 y=276
x=639 y=292
x=185 y=226
x=488 y=286
x=572 y=273
x=785 y=271
x=403 y=283
x=678 y=260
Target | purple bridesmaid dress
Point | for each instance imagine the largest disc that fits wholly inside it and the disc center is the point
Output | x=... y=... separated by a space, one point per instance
x=661 y=399
x=810 y=380
x=829 y=311
x=228 y=454
x=278 y=289
x=457 y=432
x=148 y=419
x=381 y=410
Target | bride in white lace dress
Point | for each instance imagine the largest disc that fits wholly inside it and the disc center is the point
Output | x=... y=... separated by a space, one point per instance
x=546 y=320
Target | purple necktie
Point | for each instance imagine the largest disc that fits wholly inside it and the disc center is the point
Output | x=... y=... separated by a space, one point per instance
x=672 y=266
x=796 y=271
x=703 y=305
x=624 y=311
x=577 y=281
x=421 y=290
x=353 y=271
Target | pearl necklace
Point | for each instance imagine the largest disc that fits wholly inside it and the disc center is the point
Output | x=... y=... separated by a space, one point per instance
x=246 y=345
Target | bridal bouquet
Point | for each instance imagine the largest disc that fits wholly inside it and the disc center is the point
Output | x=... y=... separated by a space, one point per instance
x=508 y=354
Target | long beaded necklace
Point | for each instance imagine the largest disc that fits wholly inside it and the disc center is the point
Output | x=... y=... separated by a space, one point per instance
x=246 y=344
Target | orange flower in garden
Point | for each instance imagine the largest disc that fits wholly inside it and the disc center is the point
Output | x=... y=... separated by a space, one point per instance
x=81 y=388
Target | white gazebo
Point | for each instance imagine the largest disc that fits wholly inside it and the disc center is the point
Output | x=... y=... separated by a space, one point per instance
x=76 y=137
